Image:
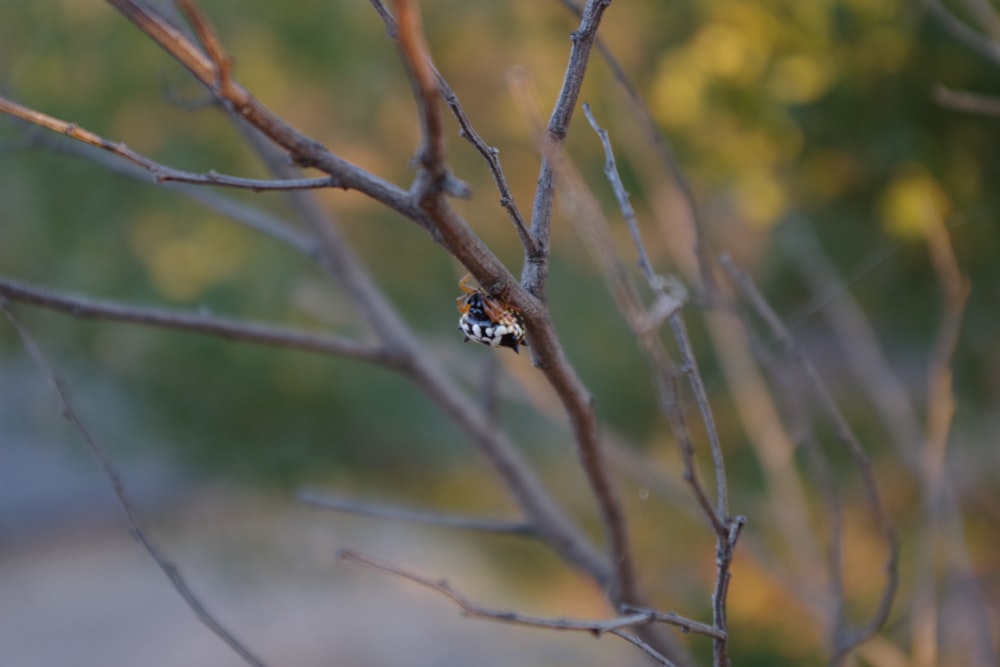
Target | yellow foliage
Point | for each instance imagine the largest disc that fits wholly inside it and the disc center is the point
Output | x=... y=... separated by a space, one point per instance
x=912 y=202
x=729 y=53
x=760 y=197
x=800 y=79
x=678 y=98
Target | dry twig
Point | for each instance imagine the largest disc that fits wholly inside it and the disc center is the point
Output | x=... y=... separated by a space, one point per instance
x=177 y=579
x=846 y=638
x=160 y=173
x=636 y=617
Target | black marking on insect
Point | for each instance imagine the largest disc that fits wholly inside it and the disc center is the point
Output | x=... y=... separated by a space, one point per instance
x=488 y=320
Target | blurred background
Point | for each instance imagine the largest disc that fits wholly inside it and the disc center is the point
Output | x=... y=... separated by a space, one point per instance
x=820 y=159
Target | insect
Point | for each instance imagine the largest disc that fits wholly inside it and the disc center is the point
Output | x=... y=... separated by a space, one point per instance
x=488 y=320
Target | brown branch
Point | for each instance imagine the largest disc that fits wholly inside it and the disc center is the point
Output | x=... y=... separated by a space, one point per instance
x=228 y=329
x=161 y=173
x=535 y=271
x=496 y=526
x=546 y=349
x=473 y=610
x=432 y=178
x=448 y=229
x=305 y=151
x=469 y=133
x=848 y=640
x=553 y=527
x=177 y=580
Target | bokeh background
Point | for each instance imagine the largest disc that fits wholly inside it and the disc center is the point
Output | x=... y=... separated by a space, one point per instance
x=801 y=125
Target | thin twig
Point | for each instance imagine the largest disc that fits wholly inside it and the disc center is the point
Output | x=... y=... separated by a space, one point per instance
x=250 y=216
x=305 y=151
x=986 y=16
x=490 y=154
x=666 y=373
x=202 y=323
x=406 y=515
x=535 y=271
x=678 y=621
x=961 y=100
x=963 y=33
x=473 y=610
x=637 y=641
x=171 y=571
x=658 y=284
x=845 y=643
x=161 y=173
x=703 y=245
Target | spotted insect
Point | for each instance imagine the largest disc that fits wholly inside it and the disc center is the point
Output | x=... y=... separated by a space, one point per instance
x=488 y=320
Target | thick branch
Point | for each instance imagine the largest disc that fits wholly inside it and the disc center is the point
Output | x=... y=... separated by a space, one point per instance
x=469 y=133
x=304 y=150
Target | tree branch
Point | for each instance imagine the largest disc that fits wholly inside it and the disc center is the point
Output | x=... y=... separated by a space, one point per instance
x=177 y=580
x=498 y=526
x=305 y=151
x=703 y=243
x=469 y=133
x=233 y=330
x=160 y=173
x=472 y=610
x=535 y=271
x=962 y=33
x=848 y=640
x=960 y=100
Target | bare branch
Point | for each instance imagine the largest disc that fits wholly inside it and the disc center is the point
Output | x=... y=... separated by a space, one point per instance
x=250 y=216
x=703 y=244
x=960 y=100
x=472 y=610
x=846 y=436
x=678 y=621
x=305 y=151
x=177 y=580
x=964 y=34
x=986 y=16
x=234 y=330
x=160 y=173
x=535 y=271
x=689 y=362
x=469 y=133
x=636 y=641
x=498 y=526
x=432 y=180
